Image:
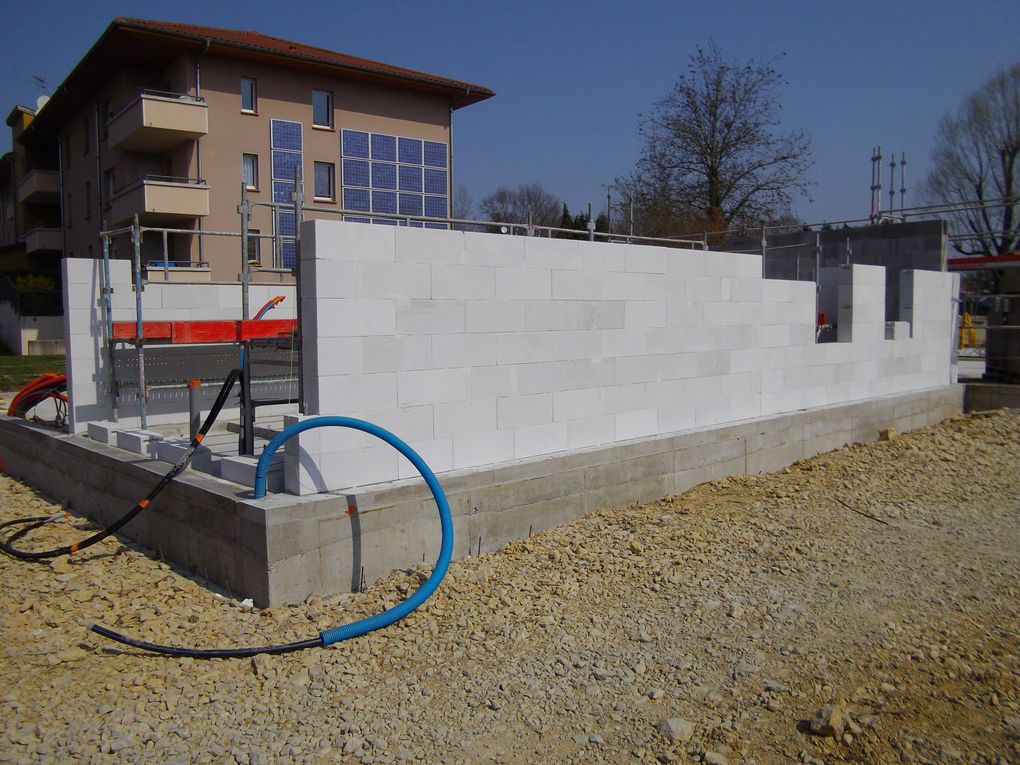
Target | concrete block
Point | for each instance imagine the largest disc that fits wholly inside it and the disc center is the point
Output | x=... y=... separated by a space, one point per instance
x=393 y=280
x=103 y=431
x=138 y=441
x=576 y=404
x=359 y=391
x=463 y=282
x=386 y=354
x=241 y=470
x=604 y=314
x=429 y=317
x=645 y=313
x=543 y=315
x=483 y=449
x=518 y=411
x=489 y=382
x=897 y=330
x=431 y=386
x=484 y=249
x=591 y=431
x=350 y=317
x=431 y=245
x=533 y=440
x=498 y=316
x=520 y=284
x=643 y=259
x=639 y=369
x=333 y=240
x=636 y=424
x=170 y=450
x=458 y=418
x=463 y=350
x=580 y=285
x=540 y=252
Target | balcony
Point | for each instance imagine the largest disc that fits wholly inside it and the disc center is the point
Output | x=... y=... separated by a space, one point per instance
x=157 y=121
x=159 y=200
x=40 y=187
x=42 y=239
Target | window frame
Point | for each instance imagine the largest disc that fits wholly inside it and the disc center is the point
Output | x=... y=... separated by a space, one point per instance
x=255 y=169
x=254 y=95
x=330 y=125
x=332 y=181
x=253 y=251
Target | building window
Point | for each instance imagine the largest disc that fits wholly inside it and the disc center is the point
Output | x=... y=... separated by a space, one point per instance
x=109 y=182
x=104 y=116
x=254 y=250
x=322 y=109
x=324 y=186
x=86 y=134
x=250 y=171
x=88 y=200
x=249 y=95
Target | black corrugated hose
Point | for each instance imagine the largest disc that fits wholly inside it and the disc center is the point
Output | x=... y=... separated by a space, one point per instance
x=30 y=524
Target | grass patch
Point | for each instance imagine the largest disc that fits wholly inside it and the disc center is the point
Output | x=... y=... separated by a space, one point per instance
x=17 y=371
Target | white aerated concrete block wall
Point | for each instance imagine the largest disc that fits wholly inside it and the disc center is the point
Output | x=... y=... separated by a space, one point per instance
x=484 y=348
x=87 y=361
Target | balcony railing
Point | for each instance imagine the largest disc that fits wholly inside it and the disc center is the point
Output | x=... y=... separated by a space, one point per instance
x=158 y=199
x=157 y=121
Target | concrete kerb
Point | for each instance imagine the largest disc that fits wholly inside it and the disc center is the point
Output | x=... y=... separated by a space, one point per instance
x=282 y=548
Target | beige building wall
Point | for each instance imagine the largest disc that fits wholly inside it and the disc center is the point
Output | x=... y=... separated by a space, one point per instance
x=283 y=93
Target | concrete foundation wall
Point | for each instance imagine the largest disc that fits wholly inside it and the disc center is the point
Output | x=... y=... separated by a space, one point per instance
x=283 y=548
x=88 y=368
x=482 y=349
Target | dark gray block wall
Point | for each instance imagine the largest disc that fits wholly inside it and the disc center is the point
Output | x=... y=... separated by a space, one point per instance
x=283 y=548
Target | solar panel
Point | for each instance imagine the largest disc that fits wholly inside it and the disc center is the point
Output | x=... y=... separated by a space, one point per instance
x=384 y=147
x=357 y=199
x=282 y=191
x=441 y=226
x=288 y=254
x=384 y=175
x=285 y=163
x=410 y=204
x=410 y=178
x=354 y=143
x=435 y=181
x=384 y=201
x=285 y=135
x=356 y=219
x=384 y=222
x=410 y=151
x=356 y=172
x=435 y=207
x=435 y=154
x=287 y=223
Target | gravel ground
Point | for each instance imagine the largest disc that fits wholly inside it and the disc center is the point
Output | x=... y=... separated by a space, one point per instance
x=862 y=606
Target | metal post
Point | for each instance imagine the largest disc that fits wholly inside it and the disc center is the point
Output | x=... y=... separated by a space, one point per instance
x=591 y=225
x=631 y=218
x=246 y=439
x=166 y=260
x=299 y=197
x=194 y=407
x=136 y=239
x=108 y=328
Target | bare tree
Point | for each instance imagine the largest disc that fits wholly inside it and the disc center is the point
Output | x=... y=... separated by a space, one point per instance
x=714 y=151
x=516 y=205
x=977 y=166
x=462 y=203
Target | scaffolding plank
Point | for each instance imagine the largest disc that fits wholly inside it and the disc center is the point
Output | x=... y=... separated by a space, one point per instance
x=184 y=332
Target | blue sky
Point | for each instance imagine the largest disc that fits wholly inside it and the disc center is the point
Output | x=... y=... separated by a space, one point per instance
x=571 y=77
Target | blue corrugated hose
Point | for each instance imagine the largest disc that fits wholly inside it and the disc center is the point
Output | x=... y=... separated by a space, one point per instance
x=345 y=631
x=402 y=609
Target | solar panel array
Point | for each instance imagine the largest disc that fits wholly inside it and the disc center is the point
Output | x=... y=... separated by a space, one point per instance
x=286 y=144
x=396 y=175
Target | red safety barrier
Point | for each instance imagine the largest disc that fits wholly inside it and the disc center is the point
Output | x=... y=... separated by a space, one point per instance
x=185 y=332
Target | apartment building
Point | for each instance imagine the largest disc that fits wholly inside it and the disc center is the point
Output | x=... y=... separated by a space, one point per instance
x=166 y=121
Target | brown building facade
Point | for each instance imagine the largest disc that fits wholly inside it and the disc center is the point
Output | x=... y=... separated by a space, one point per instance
x=166 y=121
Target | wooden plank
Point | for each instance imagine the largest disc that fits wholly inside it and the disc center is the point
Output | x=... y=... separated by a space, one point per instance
x=151 y=330
x=252 y=330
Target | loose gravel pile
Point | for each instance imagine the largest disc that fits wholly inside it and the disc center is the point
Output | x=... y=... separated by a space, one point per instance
x=862 y=606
